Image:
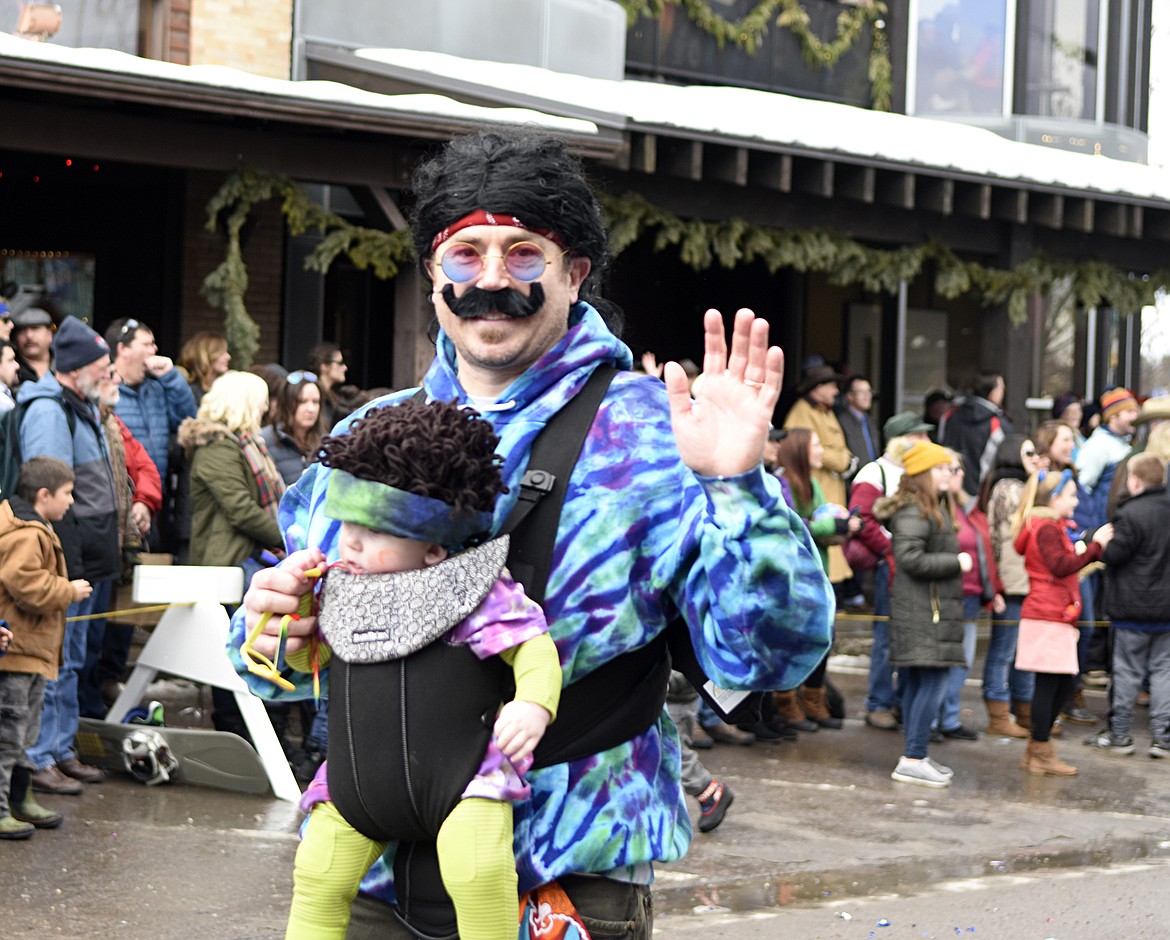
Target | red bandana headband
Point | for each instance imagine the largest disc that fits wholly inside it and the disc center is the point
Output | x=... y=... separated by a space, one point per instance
x=483 y=217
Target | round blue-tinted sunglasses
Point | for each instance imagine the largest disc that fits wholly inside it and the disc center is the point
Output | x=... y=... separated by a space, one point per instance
x=525 y=261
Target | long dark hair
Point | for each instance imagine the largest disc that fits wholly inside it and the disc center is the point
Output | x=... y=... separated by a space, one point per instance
x=1008 y=465
x=792 y=455
x=284 y=410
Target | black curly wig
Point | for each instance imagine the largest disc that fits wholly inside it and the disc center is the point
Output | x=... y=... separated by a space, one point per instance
x=436 y=449
x=531 y=176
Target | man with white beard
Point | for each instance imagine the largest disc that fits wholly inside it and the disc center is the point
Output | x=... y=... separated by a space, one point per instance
x=61 y=420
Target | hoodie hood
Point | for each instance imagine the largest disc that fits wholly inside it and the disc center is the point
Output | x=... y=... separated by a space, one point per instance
x=539 y=393
x=974 y=412
x=46 y=386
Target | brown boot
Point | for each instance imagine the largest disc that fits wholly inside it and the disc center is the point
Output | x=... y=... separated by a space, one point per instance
x=999 y=721
x=1040 y=758
x=1022 y=712
x=789 y=707
x=813 y=702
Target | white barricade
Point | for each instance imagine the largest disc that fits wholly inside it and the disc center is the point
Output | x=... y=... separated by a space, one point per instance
x=190 y=642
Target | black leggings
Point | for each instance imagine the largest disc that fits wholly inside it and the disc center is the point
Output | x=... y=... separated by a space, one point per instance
x=1052 y=692
x=816 y=678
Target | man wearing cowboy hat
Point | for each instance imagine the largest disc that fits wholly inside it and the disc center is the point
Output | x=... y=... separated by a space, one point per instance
x=818 y=392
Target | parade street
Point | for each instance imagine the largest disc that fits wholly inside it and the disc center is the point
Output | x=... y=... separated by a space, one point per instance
x=819 y=843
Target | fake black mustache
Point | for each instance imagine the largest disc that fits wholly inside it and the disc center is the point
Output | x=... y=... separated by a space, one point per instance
x=475 y=301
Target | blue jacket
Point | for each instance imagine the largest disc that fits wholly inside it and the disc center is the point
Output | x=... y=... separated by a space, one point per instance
x=154 y=410
x=89 y=531
x=640 y=537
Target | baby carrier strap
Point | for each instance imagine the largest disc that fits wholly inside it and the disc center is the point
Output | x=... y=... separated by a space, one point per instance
x=623 y=697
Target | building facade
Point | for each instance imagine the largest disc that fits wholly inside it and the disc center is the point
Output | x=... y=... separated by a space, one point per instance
x=867 y=216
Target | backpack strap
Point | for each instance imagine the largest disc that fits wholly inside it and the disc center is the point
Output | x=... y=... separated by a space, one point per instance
x=10 y=453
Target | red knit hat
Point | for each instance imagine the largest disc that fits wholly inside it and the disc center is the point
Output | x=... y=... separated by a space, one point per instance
x=1115 y=401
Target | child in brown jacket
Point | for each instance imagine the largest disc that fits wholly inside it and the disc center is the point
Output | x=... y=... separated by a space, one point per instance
x=34 y=593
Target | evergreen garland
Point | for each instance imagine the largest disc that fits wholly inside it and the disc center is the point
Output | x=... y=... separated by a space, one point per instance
x=226 y=286
x=700 y=245
x=748 y=33
x=847 y=262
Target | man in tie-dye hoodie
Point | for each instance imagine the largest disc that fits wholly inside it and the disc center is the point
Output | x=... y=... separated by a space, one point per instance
x=668 y=509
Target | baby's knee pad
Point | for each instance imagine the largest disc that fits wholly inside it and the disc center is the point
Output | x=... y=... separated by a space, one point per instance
x=475 y=844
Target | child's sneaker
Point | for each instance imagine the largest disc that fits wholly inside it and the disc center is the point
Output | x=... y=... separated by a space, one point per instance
x=1160 y=747
x=922 y=773
x=1108 y=741
x=714 y=802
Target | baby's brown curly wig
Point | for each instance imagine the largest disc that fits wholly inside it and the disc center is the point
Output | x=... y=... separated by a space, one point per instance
x=436 y=449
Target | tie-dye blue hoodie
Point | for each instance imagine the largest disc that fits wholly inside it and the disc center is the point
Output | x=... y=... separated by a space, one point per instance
x=640 y=537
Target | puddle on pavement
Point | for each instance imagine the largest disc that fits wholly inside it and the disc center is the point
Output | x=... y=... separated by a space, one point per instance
x=900 y=878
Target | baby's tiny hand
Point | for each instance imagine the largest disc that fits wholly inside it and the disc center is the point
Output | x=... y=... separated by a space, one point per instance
x=519 y=728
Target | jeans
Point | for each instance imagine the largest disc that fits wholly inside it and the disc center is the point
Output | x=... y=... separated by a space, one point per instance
x=948 y=716
x=60 y=713
x=880 y=696
x=1002 y=681
x=609 y=910
x=89 y=680
x=923 y=688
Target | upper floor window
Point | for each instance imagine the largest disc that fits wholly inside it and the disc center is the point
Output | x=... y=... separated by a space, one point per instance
x=1061 y=55
x=959 y=56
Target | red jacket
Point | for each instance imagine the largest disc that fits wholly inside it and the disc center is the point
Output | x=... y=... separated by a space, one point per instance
x=1052 y=564
x=985 y=563
x=143 y=473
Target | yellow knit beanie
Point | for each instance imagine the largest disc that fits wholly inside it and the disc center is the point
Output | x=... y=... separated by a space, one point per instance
x=924 y=455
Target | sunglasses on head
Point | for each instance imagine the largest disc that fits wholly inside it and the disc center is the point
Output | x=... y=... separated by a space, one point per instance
x=296 y=378
x=129 y=328
x=524 y=261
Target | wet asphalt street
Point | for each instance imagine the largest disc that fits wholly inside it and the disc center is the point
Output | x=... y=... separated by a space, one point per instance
x=817 y=827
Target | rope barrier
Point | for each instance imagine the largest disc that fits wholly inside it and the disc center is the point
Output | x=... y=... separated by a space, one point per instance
x=130 y=610
x=993 y=621
x=860 y=617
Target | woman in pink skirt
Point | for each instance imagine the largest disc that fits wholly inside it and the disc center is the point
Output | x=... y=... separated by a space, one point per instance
x=1048 y=620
